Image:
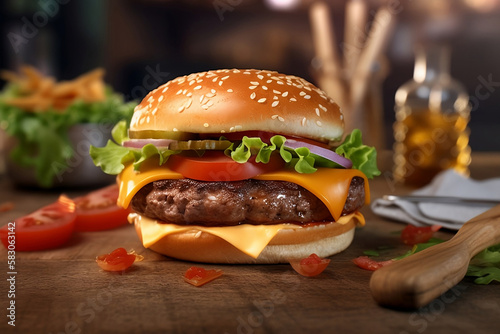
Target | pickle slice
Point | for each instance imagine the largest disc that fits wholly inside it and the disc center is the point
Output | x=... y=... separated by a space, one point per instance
x=200 y=145
x=158 y=134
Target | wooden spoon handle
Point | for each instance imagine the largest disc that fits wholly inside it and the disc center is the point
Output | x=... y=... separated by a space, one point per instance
x=418 y=279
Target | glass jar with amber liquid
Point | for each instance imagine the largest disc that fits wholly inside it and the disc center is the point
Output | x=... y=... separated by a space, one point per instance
x=432 y=113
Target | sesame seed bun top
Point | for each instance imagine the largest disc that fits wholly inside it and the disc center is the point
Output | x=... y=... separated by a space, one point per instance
x=223 y=101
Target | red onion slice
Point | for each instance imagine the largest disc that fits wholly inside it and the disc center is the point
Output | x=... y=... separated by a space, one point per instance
x=140 y=143
x=322 y=152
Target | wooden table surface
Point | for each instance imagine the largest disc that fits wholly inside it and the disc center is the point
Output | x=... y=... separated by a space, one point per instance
x=64 y=291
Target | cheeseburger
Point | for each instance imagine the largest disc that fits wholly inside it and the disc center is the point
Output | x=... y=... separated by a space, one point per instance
x=240 y=166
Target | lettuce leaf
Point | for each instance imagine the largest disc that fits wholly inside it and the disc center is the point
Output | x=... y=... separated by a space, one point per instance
x=363 y=157
x=112 y=158
x=42 y=137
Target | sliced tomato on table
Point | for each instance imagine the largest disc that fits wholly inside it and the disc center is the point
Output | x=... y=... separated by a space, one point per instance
x=412 y=235
x=310 y=266
x=216 y=166
x=46 y=228
x=199 y=276
x=98 y=210
x=117 y=260
x=367 y=263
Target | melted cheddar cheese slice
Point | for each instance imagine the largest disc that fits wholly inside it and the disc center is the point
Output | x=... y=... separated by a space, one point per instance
x=330 y=185
x=250 y=239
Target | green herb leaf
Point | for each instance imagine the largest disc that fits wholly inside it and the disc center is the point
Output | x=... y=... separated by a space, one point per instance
x=371 y=252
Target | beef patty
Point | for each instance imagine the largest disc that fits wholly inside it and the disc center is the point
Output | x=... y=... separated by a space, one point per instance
x=191 y=202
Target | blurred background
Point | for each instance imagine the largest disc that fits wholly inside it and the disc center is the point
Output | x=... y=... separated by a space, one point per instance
x=143 y=43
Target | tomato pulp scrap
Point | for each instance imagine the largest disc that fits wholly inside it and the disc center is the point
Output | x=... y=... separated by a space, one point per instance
x=365 y=262
x=199 y=276
x=310 y=266
x=118 y=260
x=412 y=235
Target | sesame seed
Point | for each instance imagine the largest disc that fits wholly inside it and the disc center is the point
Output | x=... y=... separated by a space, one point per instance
x=252 y=96
x=307 y=97
x=260 y=76
x=281 y=83
x=292 y=99
x=269 y=81
x=197 y=87
x=202 y=97
x=281 y=119
x=285 y=94
x=231 y=129
x=322 y=108
x=262 y=100
x=215 y=79
x=275 y=103
x=317 y=112
x=198 y=234
x=252 y=87
x=160 y=98
x=224 y=78
x=224 y=131
x=199 y=80
x=303 y=121
x=274 y=116
x=181 y=109
x=319 y=123
x=246 y=72
x=302 y=93
x=210 y=95
x=341 y=117
x=155 y=110
x=275 y=97
x=238 y=127
x=188 y=104
x=141 y=121
x=229 y=90
x=164 y=89
x=204 y=106
x=212 y=91
x=264 y=87
x=148 y=119
x=236 y=71
x=254 y=83
x=191 y=82
x=220 y=83
x=189 y=94
x=276 y=91
x=180 y=91
x=205 y=125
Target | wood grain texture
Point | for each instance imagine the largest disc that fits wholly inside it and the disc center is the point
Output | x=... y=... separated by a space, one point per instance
x=417 y=280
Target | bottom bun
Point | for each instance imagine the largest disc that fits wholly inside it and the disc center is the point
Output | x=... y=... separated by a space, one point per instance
x=324 y=240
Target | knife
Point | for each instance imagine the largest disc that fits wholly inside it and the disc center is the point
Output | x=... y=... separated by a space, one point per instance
x=442 y=199
x=418 y=279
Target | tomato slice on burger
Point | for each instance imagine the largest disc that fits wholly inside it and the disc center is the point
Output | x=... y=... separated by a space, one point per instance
x=46 y=228
x=310 y=266
x=199 y=276
x=117 y=260
x=98 y=210
x=412 y=235
x=216 y=166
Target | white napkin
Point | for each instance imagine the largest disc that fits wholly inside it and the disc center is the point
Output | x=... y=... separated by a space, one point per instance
x=452 y=216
